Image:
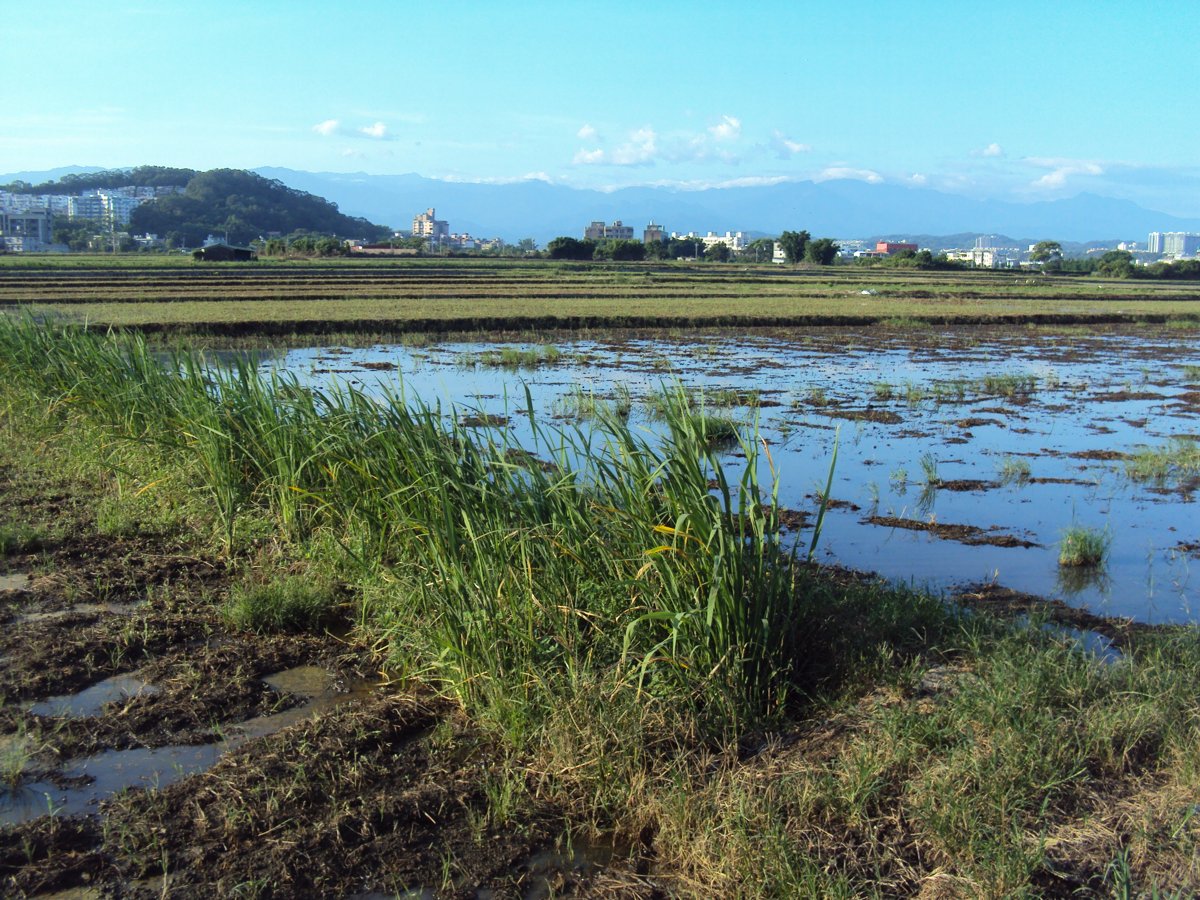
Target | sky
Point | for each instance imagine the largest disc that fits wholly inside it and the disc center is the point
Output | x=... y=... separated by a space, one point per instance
x=1017 y=101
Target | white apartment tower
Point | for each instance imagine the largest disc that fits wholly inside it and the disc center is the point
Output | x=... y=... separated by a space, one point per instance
x=428 y=225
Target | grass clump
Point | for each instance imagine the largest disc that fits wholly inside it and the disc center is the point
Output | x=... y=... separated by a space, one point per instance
x=292 y=603
x=20 y=538
x=514 y=357
x=1014 y=470
x=1008 y=385
x=1173 y=463
x=1083 y=547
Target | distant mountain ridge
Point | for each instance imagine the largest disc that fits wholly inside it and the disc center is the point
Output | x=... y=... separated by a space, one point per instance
x=843 y=208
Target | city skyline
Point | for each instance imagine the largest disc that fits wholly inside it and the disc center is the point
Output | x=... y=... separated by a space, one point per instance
x=1021 y=103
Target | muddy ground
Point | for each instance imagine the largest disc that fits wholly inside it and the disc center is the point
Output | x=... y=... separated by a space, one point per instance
x=328 y=784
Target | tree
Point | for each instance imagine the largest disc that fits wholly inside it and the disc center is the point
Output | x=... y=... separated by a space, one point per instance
x=718 y=252
x=1045 y=251
x=822 y=251
x=760 y=250
x=1116 y=264
x=527 y=245
x=656 y=250
x=794 y=244
x=626 y=251
x=570 y=248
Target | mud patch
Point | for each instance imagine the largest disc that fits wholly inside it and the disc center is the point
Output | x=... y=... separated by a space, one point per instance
x=881 y=416
x=1100 y=455
x=963 y=534
x=483 y=421
x=966 y=484
x=1009 y=603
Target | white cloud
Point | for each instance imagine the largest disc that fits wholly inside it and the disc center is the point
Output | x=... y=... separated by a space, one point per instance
x=377 y=131
x=588 y=157
x=785 y=147
x=918 y=179
x=640 y=149
x=326 y=128
x=744 y=181
x=466 y=179
x=728 y=129
x=1060 y=171
x=836 y=173
x=586 y=133
x=992 y=149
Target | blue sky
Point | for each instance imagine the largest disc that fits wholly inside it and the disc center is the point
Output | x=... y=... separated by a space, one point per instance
x=1022 y=101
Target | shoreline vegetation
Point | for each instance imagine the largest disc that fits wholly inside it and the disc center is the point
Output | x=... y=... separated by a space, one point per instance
x=633 y=634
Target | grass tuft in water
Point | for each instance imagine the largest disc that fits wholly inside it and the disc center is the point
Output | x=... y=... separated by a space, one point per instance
x=1083 y=547
x=1173 y=463
x=1014 y=470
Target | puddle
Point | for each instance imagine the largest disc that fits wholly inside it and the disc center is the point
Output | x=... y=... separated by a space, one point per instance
x=14 y=582
x=1090 y=642
x=83 y=609
x=115 y=770
x=91 y=701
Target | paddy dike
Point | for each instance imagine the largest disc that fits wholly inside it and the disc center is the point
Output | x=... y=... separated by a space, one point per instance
x=151 y=750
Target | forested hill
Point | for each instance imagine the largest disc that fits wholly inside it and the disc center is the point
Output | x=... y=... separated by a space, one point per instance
x=244 y=206
x=226 y=202
x=77 y=183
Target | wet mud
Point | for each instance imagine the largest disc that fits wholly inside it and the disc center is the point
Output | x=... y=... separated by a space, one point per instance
x=150 y=750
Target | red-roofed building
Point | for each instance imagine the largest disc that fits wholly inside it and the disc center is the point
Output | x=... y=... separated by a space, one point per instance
x=888 y=248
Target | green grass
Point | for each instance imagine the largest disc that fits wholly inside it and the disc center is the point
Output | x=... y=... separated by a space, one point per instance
x=20 y=538
x=1173 y=463
x=513 y=357
x=1008 y=385
x=1083 y=547
x=289 y=603
x=584 y=406
x=1014 y=470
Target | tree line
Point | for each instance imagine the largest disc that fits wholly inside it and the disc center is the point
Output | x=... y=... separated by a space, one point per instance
x=797 y=246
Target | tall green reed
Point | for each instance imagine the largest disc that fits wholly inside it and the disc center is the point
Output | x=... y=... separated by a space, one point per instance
x=508 y=571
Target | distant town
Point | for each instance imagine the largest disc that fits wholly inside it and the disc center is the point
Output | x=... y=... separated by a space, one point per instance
x=99 y=219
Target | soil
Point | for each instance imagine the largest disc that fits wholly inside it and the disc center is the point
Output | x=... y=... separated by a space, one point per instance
x=882 y=416
x=1007 y=602
x=964 y=534
x=373 y=789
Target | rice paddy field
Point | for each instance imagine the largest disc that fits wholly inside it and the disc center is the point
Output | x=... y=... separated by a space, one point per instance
x=176 y=294
x=518 y=579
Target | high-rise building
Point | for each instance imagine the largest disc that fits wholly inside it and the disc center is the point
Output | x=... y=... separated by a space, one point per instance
x=1155 y=243
x=428 y=225
x=1180 y=244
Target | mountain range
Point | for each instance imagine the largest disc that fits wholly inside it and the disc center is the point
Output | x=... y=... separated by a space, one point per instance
x=840 y=208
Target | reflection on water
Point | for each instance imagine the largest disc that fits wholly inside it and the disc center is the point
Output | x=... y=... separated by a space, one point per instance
x=981 y=405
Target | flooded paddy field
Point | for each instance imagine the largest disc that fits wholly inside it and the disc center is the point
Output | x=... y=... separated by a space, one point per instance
x=513 y=727
x=965 y=457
